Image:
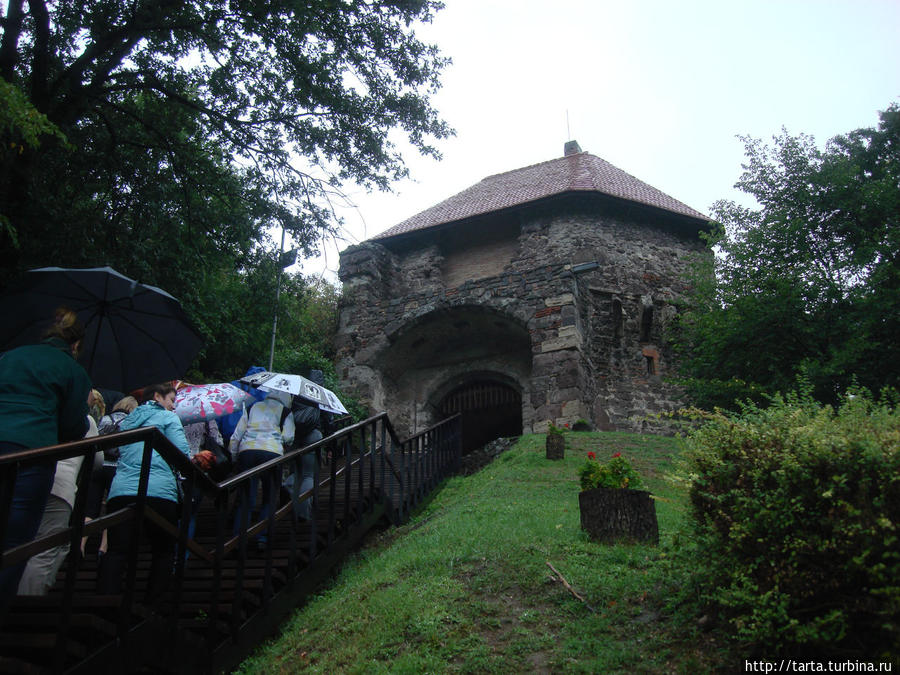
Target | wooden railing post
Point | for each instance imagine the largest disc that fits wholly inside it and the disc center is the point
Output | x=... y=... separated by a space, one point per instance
x=273 y=476
x=361 y=475
x=314 y=509
x=372 y=478
x=221 y=503
x=332 y=491
x=134 y=542
x=348 y=476
x=77 y=517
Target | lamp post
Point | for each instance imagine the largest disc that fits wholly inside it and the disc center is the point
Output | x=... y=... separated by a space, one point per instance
x=283 y=261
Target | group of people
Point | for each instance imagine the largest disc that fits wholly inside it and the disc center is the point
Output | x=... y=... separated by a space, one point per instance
x=46 y=397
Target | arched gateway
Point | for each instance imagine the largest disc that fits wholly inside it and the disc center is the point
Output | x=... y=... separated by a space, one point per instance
x=489 y=410
x=547 y=289
x=470 y=359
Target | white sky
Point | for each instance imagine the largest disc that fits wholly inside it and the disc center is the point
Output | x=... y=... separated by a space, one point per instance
x=659 y=88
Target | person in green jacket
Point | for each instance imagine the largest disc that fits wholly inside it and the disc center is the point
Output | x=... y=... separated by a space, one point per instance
x=43 y=401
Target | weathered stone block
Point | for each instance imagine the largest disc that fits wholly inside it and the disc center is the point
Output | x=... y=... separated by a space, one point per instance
x=568 y=337
x=558 y=300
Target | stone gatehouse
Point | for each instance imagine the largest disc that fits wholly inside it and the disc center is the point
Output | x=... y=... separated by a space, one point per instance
x=537 y=296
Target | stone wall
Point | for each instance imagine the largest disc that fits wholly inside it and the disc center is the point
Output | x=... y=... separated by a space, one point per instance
x=568 y=304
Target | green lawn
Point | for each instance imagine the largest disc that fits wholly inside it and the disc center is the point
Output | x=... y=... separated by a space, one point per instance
x=465 y=587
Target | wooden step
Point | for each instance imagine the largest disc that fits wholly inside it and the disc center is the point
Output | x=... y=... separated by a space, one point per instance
x=13 y=644
x=12 y=666
x=17 y=622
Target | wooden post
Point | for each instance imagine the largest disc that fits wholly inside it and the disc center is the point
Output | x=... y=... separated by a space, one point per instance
x=610 y=515
x=556 y=446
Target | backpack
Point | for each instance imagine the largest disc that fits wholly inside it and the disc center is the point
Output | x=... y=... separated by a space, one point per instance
x=306 y=418
x=116 y=417
x=222 y=467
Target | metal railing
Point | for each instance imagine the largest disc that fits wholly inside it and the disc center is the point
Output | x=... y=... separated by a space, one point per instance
x=363 y=473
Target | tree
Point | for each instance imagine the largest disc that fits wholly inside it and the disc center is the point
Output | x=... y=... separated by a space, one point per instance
x=168 y=138
x=22 y=126
x=295 y=97
x=808 y=284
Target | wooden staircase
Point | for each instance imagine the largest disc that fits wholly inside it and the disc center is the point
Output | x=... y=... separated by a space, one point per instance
x=227 y=596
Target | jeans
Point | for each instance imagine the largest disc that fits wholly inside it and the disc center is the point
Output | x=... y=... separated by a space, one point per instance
x=162 y=547
x=307 y=473
x=98 y=488
x=29 y=498
x=247 y=459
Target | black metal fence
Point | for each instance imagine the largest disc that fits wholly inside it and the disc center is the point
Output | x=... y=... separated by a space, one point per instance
x=225 y=594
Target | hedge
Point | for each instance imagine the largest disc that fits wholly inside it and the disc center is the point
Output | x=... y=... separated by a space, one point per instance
x=796 y=508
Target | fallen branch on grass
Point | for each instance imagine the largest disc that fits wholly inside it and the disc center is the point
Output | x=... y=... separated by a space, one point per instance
x=569 y=588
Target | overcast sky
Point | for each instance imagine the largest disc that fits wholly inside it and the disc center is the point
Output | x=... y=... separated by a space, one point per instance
x=659 y=88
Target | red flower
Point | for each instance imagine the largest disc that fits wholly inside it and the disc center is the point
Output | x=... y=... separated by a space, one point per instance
x=591 y=455
x=617 y=454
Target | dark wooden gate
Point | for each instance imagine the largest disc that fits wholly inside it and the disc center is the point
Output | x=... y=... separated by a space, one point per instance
x=226 y=596
x=488 y=410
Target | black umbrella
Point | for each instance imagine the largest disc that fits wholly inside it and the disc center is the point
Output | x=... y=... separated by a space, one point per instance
x=135 y=335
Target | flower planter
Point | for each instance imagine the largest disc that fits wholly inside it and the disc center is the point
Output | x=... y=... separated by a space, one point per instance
x=556 y=446
x=611 y=515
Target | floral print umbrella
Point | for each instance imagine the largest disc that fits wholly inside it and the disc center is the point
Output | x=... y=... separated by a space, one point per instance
x=201 y=402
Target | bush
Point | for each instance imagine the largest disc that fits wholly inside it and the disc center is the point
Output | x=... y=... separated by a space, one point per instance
x=797 y=508
x=617 y=473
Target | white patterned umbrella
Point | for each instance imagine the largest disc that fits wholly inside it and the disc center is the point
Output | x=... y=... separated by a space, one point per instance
x=297 y=385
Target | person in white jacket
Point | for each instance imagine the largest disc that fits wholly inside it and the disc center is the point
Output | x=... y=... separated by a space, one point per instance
x=264 y=430
x=42 y=568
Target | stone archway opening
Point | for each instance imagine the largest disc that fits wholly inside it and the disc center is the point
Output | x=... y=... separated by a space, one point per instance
x=489 y=410
x=469 y=359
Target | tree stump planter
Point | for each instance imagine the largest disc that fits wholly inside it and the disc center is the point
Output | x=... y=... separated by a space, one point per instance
x=611 y=515
x=556 y=446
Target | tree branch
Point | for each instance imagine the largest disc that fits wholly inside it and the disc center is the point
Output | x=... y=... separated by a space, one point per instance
x=12 y=29
x=40 y=59
x=569 y=588
x=105 y=53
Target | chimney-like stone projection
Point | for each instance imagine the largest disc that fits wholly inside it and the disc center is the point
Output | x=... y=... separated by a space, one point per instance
x=537 y=296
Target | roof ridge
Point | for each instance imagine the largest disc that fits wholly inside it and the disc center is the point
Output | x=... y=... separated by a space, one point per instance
x=635 y=178
x=532 y=166
x=576 y=172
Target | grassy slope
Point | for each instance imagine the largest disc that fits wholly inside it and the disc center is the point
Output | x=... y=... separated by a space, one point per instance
x=464 y=586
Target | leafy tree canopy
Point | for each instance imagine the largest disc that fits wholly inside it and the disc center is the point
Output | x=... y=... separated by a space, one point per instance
x=269 y=83
x=168 y=138
x=300 y=95
x=808 y=283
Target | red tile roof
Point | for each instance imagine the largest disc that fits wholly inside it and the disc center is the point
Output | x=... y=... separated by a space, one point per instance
x=580 y=172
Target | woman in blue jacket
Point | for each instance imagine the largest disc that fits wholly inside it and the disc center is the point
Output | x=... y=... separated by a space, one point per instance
x=162 y=494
